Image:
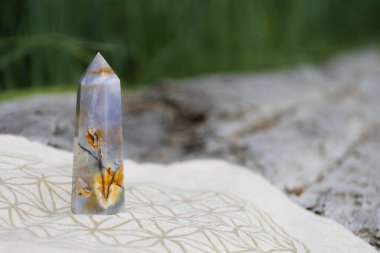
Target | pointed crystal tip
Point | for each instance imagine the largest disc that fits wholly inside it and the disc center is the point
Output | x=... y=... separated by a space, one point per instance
x=99 y=66
x=97 y=71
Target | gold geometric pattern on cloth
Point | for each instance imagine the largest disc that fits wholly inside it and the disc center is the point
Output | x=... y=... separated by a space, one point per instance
x=35 y=207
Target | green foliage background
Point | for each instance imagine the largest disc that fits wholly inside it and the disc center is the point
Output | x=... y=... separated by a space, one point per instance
x=49 y=42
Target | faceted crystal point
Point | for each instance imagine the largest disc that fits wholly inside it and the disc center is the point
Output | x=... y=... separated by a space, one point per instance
x=98 y=145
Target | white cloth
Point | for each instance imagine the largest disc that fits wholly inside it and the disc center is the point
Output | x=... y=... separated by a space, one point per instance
x=194 y=206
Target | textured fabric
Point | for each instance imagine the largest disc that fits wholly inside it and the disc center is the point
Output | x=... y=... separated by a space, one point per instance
x=195 y=206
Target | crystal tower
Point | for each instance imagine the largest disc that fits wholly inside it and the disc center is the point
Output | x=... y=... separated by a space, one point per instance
x=98 y=186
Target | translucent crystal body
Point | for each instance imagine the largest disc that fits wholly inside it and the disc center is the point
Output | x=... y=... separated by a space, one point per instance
x=98 y=145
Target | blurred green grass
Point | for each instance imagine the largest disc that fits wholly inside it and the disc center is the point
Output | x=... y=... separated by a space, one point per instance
x=49 y=42
x=31 y=91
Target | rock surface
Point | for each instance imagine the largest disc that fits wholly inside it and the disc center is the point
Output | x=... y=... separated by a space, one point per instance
x=314 y=131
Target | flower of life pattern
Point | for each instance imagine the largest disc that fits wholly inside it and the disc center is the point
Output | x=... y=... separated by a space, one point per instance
x=35 y=208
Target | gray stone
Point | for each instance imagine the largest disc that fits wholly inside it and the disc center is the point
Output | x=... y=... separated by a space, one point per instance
x=48 y=119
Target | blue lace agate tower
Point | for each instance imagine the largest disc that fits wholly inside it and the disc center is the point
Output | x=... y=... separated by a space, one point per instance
x=98 y=186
